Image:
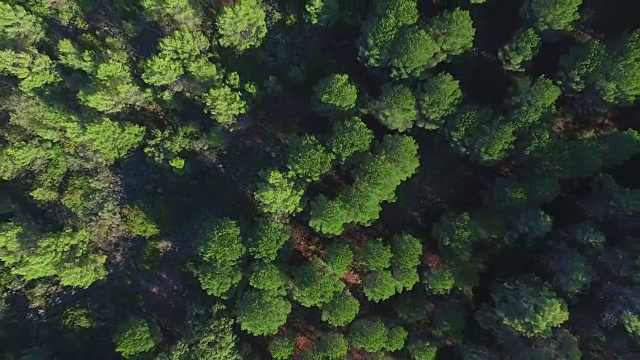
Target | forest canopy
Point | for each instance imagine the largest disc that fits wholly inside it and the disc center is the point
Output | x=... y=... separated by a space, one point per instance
x=320 y=179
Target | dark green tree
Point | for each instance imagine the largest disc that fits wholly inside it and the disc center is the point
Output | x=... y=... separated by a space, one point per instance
x=522 y=47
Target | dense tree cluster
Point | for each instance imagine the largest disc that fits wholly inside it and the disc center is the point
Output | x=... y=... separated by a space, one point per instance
x=319 y=180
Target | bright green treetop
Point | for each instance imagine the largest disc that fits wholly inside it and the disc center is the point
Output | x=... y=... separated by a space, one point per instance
x=341 y=310
x=339 y=257
x=369 y=334
x=242 y=25
x=267 y=238
x=552 y=14
x=438 y=96
x=136 y=336
x=261 y=313
x=530 y=307
x=379 y=285
x=453 y=31
x=277 y=194
x=349 y=138
x=334 y=93
x=413 y=51
x=267 y=277
x=438 y=280
x=224 y=104
x=376 y=256
x=315 y=284
x=308 y=159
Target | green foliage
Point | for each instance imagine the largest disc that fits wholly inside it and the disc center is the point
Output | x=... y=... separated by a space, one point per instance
x=407 y=251
x=315 y=284
x=112 y=88
x=577 y=66
x=139 y=223
x=618 y=77
x=378 y=32
x=396 y=339
x=410 y=308
x=341 y=311
x=314 y=10
x=334 y=93
x=438 y=97
x=277 y=194
x=33 y=69
x=455 y=235
x=413 y=51
x=207 y=337
x=18 y=26
x=224 y=104
x=166 y=146
x=308 y=159
x=453 y=31
x=112 y=140
x=551 y=14
x=377 y=39
x=328 y=216
x=369 y=334
x=159 y=71
x=530 y=101
x=78 y=318
x=571 y=271
x=376 y=178
x=219 y=253
x=396 y=108
x=422 y=350
x=449 y=323
x=67 y=255
x=242 y=25
x=282 y=348
x=171 y=12
x=332 y=346
x=529 y=307
x=379 y=285
x=438 y=280
x=261 y=313
x=481 y=135
x=522 y=47
x=267 y=239
x=376 y=255
x=339 y=257
x=350 y=138
x=267 y=277
x=135 y=337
